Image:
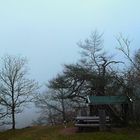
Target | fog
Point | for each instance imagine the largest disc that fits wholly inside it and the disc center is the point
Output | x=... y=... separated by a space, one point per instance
x=47 y=32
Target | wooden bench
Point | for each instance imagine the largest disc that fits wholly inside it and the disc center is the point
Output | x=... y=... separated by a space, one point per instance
x=90 y=121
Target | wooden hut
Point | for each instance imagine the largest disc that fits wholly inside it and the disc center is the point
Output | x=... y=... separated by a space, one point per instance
x=105 y=111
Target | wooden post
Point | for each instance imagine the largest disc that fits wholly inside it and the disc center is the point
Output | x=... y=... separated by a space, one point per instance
x=102 y=119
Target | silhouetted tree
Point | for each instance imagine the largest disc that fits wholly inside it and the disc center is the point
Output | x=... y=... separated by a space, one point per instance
x=54 y=106
x=94 y=74
x=15 y=88
x=131 y=74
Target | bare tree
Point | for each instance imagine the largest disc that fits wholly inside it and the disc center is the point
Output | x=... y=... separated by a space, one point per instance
x=133 y=70
x=124 y=47
x=15 y=89
x=131 y=74
x=54 y=106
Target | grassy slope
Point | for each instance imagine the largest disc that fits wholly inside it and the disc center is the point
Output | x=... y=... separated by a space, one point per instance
x=53 y=133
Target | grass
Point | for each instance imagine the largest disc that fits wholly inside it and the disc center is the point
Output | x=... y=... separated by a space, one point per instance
x=55 y=133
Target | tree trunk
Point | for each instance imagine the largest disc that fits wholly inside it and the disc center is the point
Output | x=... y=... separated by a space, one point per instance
x=13 y=108
x=13 y=118
x=63 y=110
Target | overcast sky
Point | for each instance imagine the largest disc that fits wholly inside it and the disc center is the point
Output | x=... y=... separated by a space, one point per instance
x=46 y=31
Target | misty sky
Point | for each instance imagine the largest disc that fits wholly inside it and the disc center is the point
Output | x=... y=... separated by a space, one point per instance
x=46 y=31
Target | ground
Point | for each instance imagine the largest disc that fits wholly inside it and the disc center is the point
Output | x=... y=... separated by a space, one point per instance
x=70 y=133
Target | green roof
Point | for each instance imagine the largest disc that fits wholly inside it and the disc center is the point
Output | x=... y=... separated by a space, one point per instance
x=97 y=100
